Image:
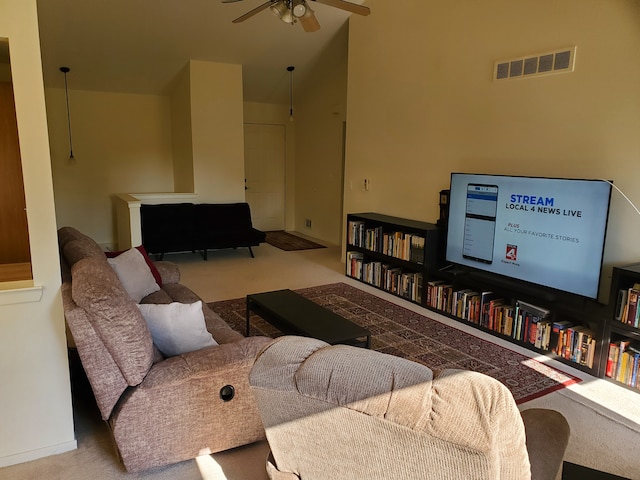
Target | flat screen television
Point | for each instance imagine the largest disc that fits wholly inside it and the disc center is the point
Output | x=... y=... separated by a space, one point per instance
x=545 y=231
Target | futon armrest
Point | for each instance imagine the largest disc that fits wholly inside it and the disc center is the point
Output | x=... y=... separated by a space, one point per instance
x=211 y=361
x=169 y=271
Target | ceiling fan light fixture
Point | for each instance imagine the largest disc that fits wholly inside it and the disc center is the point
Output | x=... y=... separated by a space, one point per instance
x=299 y=9
x=279 y=9
x=287 y=16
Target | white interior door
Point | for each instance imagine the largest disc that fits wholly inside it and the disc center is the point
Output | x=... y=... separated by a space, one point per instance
x=264 y=166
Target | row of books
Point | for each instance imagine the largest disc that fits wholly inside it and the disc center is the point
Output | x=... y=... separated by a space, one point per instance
x=623 y=362
x=405 y=246
x=627 y=310
x=408 y=285
x=519 y=320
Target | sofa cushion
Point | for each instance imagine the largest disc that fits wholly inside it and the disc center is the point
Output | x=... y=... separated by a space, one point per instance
x=152 y=267
x=177 y=328
x=176 y=292
x=115 y=317
x=75 y=250
x=134 y=274
x=67 y=234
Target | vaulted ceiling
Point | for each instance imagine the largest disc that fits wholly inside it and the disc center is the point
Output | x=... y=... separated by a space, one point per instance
x=139 y=46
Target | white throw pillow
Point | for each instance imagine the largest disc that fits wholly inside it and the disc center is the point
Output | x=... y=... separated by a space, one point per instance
x=177 y=328
x=134 y=274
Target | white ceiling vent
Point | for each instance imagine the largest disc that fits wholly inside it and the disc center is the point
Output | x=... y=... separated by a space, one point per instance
x=557 y=61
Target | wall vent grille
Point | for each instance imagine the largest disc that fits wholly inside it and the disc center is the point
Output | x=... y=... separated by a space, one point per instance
x=548 y=63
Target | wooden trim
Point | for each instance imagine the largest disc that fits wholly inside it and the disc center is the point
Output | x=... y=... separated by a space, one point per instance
x=14 y=272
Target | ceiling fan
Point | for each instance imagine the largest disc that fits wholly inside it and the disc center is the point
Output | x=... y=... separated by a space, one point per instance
x=292 y=11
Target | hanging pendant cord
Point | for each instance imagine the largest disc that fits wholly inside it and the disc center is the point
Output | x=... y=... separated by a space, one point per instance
x=65 y=70
x=290 y=69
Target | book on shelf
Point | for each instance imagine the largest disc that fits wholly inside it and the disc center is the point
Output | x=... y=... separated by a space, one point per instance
x=372 y=273
x=621 y=304
x=432 y=292
x=528 y=316
x=557 y=332
x=508 y=312
x=533 y=309
x=632 y=307
x=627 y=309
x=457 y=302
x=623 y=362
x=439 y=295
x=612 y=359
x=469 y=300
x=392 y=276
x=581 y=346
x=405 y=246
x=355 y=233
x=354 y=264
x=416 y=250
x=373 y=239
x=485 y=306
x=575 y=343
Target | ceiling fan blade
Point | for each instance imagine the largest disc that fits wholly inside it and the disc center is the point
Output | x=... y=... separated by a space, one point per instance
x=348 y=6
x=309 y=21
x=231 y=1
x=251 y=13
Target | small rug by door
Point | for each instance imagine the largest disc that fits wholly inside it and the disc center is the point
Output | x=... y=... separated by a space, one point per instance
x=399 y=331
x=289 y=242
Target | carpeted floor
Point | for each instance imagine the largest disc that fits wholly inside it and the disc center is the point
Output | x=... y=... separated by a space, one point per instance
x=402 y=332
x=289 y=242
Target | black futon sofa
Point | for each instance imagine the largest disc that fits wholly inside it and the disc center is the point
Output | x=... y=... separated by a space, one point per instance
x=182 y=227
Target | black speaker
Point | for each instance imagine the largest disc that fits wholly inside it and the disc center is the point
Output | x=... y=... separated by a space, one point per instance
x=444 y=209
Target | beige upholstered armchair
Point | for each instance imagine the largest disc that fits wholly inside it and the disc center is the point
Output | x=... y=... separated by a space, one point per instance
x=343 y=412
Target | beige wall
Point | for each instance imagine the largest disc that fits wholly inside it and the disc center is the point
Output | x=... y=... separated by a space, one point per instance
x=320 y=108
x=121 y=143
x=422 y=102
x=217 y=131
x=191 y=140
x=35 y=404
x=181 y=132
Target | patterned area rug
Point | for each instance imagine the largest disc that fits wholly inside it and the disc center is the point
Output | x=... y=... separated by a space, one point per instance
x=404 y=333
x=289 y=242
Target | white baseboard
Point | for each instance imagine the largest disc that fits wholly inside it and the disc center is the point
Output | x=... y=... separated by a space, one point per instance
x=39 y=453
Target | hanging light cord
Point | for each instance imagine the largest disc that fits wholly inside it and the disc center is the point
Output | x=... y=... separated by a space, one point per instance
x=66 y=70
x=290 y=69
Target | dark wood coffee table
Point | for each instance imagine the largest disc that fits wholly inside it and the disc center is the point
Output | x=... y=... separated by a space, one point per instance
x=293 y=314
x=571 y=471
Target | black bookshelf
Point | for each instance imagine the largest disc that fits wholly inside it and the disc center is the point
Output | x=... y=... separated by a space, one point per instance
x=580 y=321
x=393 y=254
x=530 y=316
x=622 y=329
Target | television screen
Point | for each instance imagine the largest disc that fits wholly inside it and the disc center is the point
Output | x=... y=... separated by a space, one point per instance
x=546 y=231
